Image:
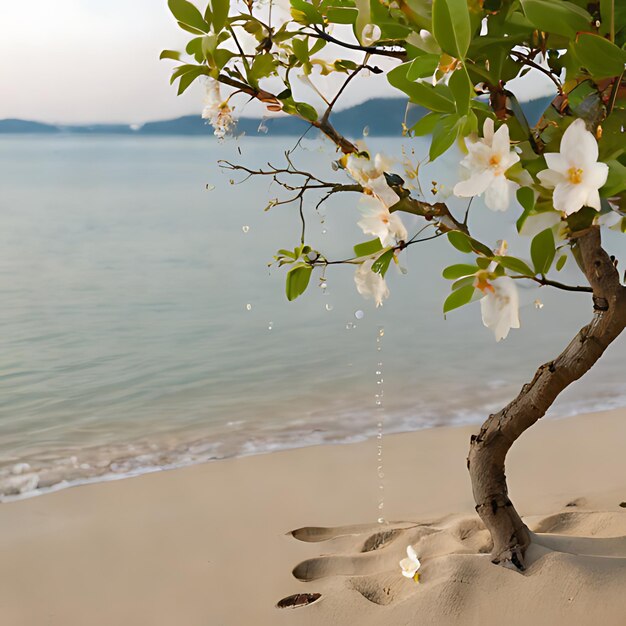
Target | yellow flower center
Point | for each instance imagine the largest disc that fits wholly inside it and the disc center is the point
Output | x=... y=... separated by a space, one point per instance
x=494 y=161
x=575 y=175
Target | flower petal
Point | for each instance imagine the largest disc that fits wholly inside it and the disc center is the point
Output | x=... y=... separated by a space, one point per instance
x=558 y=162
x=550 y=178
x=497 y=194
x=474 y=185
x=501 y=143
x=595 y=175
x=569 y=197
x=579 y=144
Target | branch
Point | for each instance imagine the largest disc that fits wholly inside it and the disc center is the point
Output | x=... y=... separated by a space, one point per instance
x=552 y=283
x=527 y=61
x=266 y=97
x=395 y=54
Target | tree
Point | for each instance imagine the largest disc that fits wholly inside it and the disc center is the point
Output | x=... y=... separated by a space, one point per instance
x=455 y=59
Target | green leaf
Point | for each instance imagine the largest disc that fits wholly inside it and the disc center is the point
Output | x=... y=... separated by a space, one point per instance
x=220 y=14
x=424 y=65
x=557 y=17
x=616 y=181
x=462 y=90
x=561 y=262
x=444 y=134
x=306 y=111
x=426 y=125
x=367 y=248
x=436 y=98
x=453 y=272
x=526 y=197
x=188 y=14
x=451 y=26
x=341 y=15
x=463 y=282
x=599 y=56
x=305 y=13
x=514 y=264
x=381 y=264
x=263 y=65
x=298 y=280
x=458 y=298
x=170 y=54
x=464 y=243
x=542 y=251
x=460 y=241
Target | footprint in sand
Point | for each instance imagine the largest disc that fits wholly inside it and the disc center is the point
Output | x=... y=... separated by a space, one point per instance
x=454 y=552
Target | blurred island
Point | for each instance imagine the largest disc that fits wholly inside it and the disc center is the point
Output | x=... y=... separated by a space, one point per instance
x=383 y=116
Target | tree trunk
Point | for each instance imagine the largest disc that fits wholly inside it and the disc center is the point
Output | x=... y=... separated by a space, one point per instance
x=488 y=449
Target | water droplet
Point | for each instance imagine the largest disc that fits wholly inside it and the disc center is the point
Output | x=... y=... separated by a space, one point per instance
x=366 y=131
x=381 y=520
x=329 y=307
x=381 y=506
x=538 y=304
x=263 y=128
x=245 y=229
x=248 y=307
x=324 y=285
x=378 y=402
x=381 y=331
x=350 y=325
x=324 y=231
x=379 y=436
x=378 y=372
x=359 y=314
x=270 y=326
x=334 y=166
x=209 y=187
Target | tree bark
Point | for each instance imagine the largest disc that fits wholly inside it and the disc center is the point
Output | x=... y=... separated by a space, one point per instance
x=489 y=447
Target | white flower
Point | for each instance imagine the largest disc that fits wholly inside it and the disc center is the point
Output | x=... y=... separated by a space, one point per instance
x=217 y=111
x=370 y=284
x=487 y=161
x=500 y=306
x=371 y=34
x=410 y=564
x=362 y=169
x=574 y=172
x=377 y=220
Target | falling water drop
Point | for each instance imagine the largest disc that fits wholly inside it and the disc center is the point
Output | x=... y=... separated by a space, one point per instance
x=270 y=325
x=324 y=231
x=366 y=131
x=359 y=314
x=350 y=326
x=248 y=307
x=245 y=229
x=329 y=307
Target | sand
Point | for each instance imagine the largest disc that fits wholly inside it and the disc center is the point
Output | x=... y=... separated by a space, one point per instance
x=211 y=545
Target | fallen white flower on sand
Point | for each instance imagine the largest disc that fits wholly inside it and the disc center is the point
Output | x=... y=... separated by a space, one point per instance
x=410 y=564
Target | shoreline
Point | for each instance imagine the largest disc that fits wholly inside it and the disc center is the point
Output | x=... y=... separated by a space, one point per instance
x=27 y=478
x=23 y=479
x=211 y=543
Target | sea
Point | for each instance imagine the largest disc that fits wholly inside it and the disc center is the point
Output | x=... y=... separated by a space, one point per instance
x=145 y=324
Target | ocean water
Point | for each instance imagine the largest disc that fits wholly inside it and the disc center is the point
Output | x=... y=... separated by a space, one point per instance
x=142 y=327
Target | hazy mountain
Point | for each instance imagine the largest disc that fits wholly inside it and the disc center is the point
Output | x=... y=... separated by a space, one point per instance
x=383 y=116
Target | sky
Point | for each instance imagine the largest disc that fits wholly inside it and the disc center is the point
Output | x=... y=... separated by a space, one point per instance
x=88 y=61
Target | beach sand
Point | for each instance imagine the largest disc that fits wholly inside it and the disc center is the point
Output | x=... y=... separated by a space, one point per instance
x=211 y=545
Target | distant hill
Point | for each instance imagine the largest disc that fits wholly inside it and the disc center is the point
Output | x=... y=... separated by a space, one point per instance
x=383 y=116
